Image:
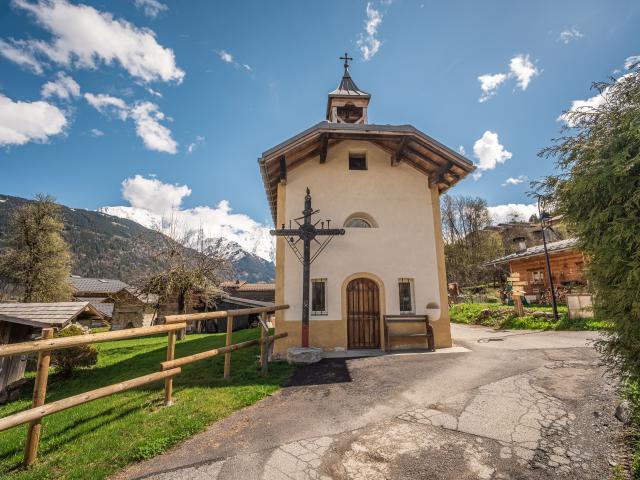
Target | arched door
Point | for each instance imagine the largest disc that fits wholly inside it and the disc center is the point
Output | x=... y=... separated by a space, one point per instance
x=363 y=313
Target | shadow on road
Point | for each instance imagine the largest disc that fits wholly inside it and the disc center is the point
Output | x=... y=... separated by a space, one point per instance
x=325 y=372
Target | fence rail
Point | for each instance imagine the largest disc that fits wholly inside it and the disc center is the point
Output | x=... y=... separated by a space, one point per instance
x=168 y=369
x=197 y=317
x=68 y=342
x=196 y=357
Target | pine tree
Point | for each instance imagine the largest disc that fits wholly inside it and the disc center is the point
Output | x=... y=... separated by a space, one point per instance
x=38 y=259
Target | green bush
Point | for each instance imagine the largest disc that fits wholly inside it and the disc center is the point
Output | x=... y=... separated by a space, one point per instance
x=598 y=192
x=69 y=359
x=499 y=316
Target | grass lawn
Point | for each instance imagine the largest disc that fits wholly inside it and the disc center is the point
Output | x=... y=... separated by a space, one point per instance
x=98 y=438
x=501 y=316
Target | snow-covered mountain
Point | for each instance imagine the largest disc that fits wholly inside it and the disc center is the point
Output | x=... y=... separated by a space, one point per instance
x=232 y=240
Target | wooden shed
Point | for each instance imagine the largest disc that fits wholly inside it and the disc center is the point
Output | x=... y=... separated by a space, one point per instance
x=20 y=322
x=117 y=300
x=262 y=292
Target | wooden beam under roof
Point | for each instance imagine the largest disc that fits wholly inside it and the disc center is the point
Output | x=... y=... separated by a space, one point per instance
x=324 y=143
x=396 y=157
x=436 y=176
x=282 y=162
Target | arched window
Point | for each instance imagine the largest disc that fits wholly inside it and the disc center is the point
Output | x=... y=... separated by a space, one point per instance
x=357 y=223
x=360 y=220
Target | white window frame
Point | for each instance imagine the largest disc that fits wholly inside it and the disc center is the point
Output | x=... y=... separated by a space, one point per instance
x=326 y=308
x=411 y=292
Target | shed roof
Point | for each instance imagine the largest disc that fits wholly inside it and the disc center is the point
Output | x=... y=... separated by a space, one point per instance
x=246 y=302
x=96 y=285
x=444 y=166
x=43 y=315
x=100 y=304
x=552 y=247
x=105 y=309
x=243 y=286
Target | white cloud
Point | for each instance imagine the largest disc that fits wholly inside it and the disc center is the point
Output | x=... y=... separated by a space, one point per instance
x=146 y=116
x=83 y=37
x=590 y=104
x=194 y=145
x=96 y=132
x=229 y=58
x=64 y=87
x=489 y=153
x=632 y=61
x=461 y=150
x=582 y=105
x=512 y=212
x=570 y=35
x=368 y=41
x=225 y=56
x=521 y=67
x=155 y=136
x=489 y=83
x=514 y=180
x=153 y=195
x=151 y=8
x=153 y=92
x=22 y=122
x=107 y=104
x=156 y=203
x=20 y=52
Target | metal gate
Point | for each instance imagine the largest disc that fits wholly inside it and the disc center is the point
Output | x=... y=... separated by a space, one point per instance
x=363 y=314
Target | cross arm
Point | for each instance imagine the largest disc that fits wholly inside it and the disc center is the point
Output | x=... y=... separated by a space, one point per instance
x=330 y=231
x=285 y=232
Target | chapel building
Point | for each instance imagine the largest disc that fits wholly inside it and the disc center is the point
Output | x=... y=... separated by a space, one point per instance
x=382 y=184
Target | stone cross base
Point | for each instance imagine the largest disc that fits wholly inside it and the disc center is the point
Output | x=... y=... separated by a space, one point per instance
x=304 y=355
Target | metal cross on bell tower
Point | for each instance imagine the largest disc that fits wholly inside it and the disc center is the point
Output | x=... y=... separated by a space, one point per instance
x=307 y=232
x=346 y=59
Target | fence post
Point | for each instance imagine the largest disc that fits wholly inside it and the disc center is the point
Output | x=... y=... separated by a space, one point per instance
x=39 y=394
x=264 y=344
x=168 y=382
x=227 y=356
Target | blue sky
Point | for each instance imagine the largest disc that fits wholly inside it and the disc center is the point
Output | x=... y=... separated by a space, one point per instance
x=190 y=93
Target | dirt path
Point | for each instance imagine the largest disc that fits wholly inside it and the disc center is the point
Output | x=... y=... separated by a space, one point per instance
x=522 y=406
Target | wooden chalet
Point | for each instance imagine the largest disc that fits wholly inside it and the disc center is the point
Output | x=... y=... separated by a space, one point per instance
x=567 y=264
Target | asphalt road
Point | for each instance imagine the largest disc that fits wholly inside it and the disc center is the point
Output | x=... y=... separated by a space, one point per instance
x=502 y=405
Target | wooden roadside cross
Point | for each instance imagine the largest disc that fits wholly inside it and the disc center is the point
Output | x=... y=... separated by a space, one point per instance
x=517 y=292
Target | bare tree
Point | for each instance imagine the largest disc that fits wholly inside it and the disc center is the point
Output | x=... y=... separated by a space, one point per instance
x=192 y=268
x=468 y=242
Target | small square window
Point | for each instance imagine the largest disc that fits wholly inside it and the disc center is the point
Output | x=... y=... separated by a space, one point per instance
x=357 y=161
x=319 y=296
x=405 y=290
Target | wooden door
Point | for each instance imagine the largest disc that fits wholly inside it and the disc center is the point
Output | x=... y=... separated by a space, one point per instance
x=363 y=313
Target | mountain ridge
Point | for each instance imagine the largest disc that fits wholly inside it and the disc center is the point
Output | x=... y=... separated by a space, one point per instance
x=108 y=246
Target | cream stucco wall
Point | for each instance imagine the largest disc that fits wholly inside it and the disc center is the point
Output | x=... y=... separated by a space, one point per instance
x=404 y=245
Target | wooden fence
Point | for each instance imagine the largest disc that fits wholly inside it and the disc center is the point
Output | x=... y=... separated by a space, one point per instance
x=168 y=369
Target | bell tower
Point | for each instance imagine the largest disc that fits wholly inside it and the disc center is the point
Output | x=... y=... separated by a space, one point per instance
x=347 y=103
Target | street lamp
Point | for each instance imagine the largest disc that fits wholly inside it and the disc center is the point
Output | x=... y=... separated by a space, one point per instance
x=543 y=216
